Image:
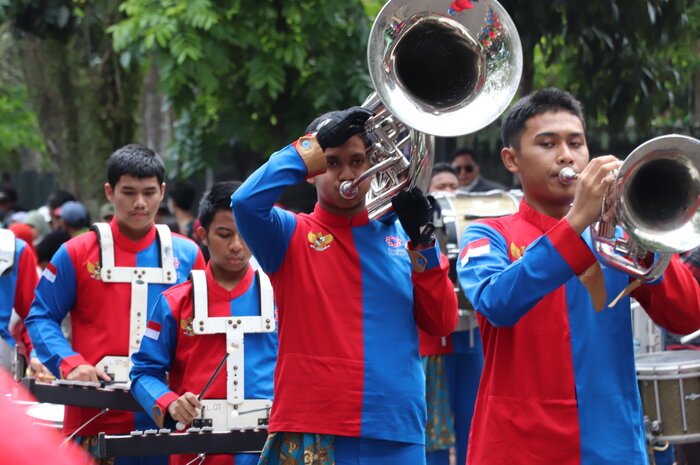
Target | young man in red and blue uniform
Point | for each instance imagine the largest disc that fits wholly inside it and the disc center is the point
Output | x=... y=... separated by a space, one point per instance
x=559 y=383
x=172 y=346
x=18 y=278
x=350 y=293
x=101 y=312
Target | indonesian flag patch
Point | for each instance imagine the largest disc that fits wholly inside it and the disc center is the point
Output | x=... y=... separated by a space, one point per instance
x=152 y=330
x=475 y=249
x=50 y=272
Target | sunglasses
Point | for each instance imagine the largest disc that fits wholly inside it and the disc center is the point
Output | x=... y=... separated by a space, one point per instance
x=467 y=168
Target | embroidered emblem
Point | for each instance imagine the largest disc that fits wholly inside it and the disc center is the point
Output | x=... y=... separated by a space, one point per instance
x=516 y=252
x=394 y=241
x=186 y=326
x=94 y=270
x=320 y=242
x=176 y=263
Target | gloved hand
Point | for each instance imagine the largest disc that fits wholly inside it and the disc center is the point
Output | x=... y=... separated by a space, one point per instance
x=414 y=211
x=341 y=126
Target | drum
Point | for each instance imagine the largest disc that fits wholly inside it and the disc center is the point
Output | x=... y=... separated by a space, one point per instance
x=648 y=336
x=669 y=385
x=49 y=415
x=455 y=211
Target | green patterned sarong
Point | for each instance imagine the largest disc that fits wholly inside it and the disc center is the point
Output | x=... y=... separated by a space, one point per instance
x=298 y=449
x=439 y=429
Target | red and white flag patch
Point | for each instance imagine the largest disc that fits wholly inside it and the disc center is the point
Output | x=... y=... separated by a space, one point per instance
x=152 y=330
x=50 y=272
x=475 y=249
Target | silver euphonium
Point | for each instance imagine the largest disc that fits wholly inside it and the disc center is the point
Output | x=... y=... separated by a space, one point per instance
x=655 y=196
x=436 y=72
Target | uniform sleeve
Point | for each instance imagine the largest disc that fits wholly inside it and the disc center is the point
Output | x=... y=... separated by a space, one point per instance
x=27 y=279
x=504 y=291
x=54 y=297
x=674 y=301
x=435 y=307
x=266 y=229
x=151 y=362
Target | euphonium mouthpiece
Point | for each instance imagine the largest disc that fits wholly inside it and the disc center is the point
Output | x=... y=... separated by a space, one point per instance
x=567 y=175
x=348 y=189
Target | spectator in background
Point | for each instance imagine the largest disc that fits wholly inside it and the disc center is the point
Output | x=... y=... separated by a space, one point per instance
x=40 y=227
x=444 y=178
x=8 y=203
x=74 y=217
x=466 y=162
x=106 y=212
x=55 y=200
x=180 y=201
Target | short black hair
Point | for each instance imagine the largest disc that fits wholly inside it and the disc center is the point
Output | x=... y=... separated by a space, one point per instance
x=58 y=198
x=534 y=104
x=134 y=160
x=182 y=194
x=442 y=167
x=217 y=198
x=465 y=151
x=314 y=126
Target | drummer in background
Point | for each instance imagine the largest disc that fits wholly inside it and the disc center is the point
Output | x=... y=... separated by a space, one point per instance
x=559 y=384
x=452 y=369
x=465 y=161
x=233 y=289
x=101 y=311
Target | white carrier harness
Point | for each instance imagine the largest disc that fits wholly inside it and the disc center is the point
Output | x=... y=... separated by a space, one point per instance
x=117 y=367
x=234 y=411
x=7 y=260
x=7 y=251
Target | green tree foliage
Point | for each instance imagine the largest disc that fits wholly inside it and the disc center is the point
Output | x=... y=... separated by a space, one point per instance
x=612 y=54
x=247 y=72
x=85 y=101
x=18 y=126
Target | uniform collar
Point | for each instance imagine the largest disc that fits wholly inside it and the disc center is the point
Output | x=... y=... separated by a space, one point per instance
x=123 y=242
x=219 y=293
x=542 y=221
x=332 y=219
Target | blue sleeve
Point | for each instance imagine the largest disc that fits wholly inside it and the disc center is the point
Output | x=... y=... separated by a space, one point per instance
x=151 y=362
x=266 y=229
x=504 y=291
x=54 y=297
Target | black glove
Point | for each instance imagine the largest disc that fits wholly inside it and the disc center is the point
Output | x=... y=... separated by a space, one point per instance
x=341 y=126
x=414 y=211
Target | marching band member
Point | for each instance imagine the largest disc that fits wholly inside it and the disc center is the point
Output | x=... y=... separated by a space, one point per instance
x=172 y=346
x=18 y=278
x=452 y=369
x=349 y=385
x=85 y=278
x=559 y=383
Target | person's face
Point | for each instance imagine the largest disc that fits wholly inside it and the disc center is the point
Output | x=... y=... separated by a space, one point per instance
x=443 y=182
x=345 y=163
x=228 y=253
x=135 y=202
x=467 y=169
x=549 y=142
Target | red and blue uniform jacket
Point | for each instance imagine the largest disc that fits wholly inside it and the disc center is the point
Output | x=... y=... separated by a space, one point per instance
x=17 y=291
x=559 y=381
x=190 y=359
x=348 y=308
x=100 y=312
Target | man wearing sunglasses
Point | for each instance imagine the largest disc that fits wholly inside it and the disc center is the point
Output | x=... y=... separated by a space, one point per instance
x=466 y=163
